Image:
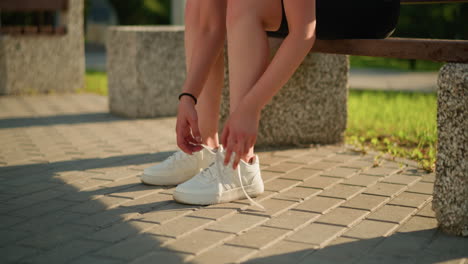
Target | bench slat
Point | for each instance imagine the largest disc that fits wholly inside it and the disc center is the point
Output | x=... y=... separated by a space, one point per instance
x=405 y=48
x=33 y=5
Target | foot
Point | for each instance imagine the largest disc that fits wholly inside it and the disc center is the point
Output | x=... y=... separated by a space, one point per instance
x=179 y=167
x=221 y=184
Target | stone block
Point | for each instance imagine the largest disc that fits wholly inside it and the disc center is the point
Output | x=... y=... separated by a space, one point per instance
x=310 y=108
x=45 y=63
x=146 y=70
x=451 y=184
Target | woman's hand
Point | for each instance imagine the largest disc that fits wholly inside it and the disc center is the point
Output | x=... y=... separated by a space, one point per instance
x=188 y=134
x=240 y=132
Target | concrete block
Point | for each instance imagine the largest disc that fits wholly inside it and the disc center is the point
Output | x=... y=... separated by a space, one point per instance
x=451 y=185
x=42 y=63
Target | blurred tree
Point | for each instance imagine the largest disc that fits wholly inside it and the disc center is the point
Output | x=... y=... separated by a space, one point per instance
x=142 y=12
x=442 y=21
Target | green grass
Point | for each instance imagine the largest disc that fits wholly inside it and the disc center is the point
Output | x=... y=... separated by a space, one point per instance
x=395 y=64
x=96 y=82
x=399 y=123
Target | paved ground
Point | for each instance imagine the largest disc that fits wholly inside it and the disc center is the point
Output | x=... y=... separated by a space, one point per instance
x=70 y=193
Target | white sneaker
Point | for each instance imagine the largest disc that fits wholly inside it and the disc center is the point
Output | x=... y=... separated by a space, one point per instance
x=179 y=167
x=220 y=184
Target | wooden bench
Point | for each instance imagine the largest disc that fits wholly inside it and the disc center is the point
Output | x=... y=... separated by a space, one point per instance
x=45 y=13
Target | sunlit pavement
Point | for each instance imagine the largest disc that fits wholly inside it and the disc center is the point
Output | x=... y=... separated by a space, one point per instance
x=70 y=193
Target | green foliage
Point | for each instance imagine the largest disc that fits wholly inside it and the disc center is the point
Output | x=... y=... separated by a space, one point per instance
x=442 y=21
x=400 y=124
x=96 y=82
x=393 y=63
x=142 y=12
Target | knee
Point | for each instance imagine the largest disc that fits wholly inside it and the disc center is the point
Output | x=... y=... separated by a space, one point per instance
x=238 y=10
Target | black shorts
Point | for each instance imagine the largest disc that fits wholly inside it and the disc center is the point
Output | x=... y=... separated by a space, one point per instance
x=345 y=19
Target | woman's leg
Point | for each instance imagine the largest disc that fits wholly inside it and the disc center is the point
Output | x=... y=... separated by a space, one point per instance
x=209 y=100
x=248 y=48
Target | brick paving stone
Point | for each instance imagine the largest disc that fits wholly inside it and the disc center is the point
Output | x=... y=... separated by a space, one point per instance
x=180 y=226
x=320 y=182
x=385 y=189
x=402 y=245
x=96 y=260
x=279 y=185
x=368 y=229
x=322 y=165
x=358 y=164
x=340 y=172
x=94 y=206
x=448 y=245
x=365 y=202
x=13 y=253
x=361 y=180
x=428 y=177
x=298 y=193
x=418 y=225
x=9 y=220
x=272 y=207
x=300 y=174
x=84 y=184
x=342 y=216
x=410 y=199
x=282 y=252
x=343 y=157
x=136 y=192
x=213 y=212
x=316 y=234
x=199 y=241
x=153 y=200
x=9 y=236
x=223 y=254
x=284 y=167
x=121 y=231
x=348 y=250
x=32 y=188
x=426 y=211
x=422 y=187
x=35 y=198
x=66 y=252
x=291 y=219
x=270 y=175
x=291 y=153
x=48 y=221
x=304 y=159
x=268 y=159
x=237 y=223
x=319 y=204
x=42 y=208
x=258 y=237
x=391 y=213
x=381 y=171
x=106 y=218
x=56 y=236
x=401 y=179
x=167 y=212
x=162 y=256
x=134 y=247
x=342 y=191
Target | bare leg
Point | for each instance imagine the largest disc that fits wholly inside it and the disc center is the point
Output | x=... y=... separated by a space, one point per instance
x=208 y=105
x=248 y=47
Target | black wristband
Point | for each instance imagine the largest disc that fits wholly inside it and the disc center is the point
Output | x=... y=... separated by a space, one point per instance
x=188 y=94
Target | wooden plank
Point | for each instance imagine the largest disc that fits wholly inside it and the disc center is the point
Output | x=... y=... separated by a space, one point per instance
x=411 y=2
x=33 y=5
x=404 y=48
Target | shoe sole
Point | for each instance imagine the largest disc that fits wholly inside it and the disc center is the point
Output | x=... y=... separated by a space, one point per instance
x=228 y=196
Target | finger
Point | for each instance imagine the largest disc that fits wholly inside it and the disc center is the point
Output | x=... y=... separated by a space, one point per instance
x=227 y=158
x=193 y=120
x=239 y=153
x=183 y=145
x=224 y=136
